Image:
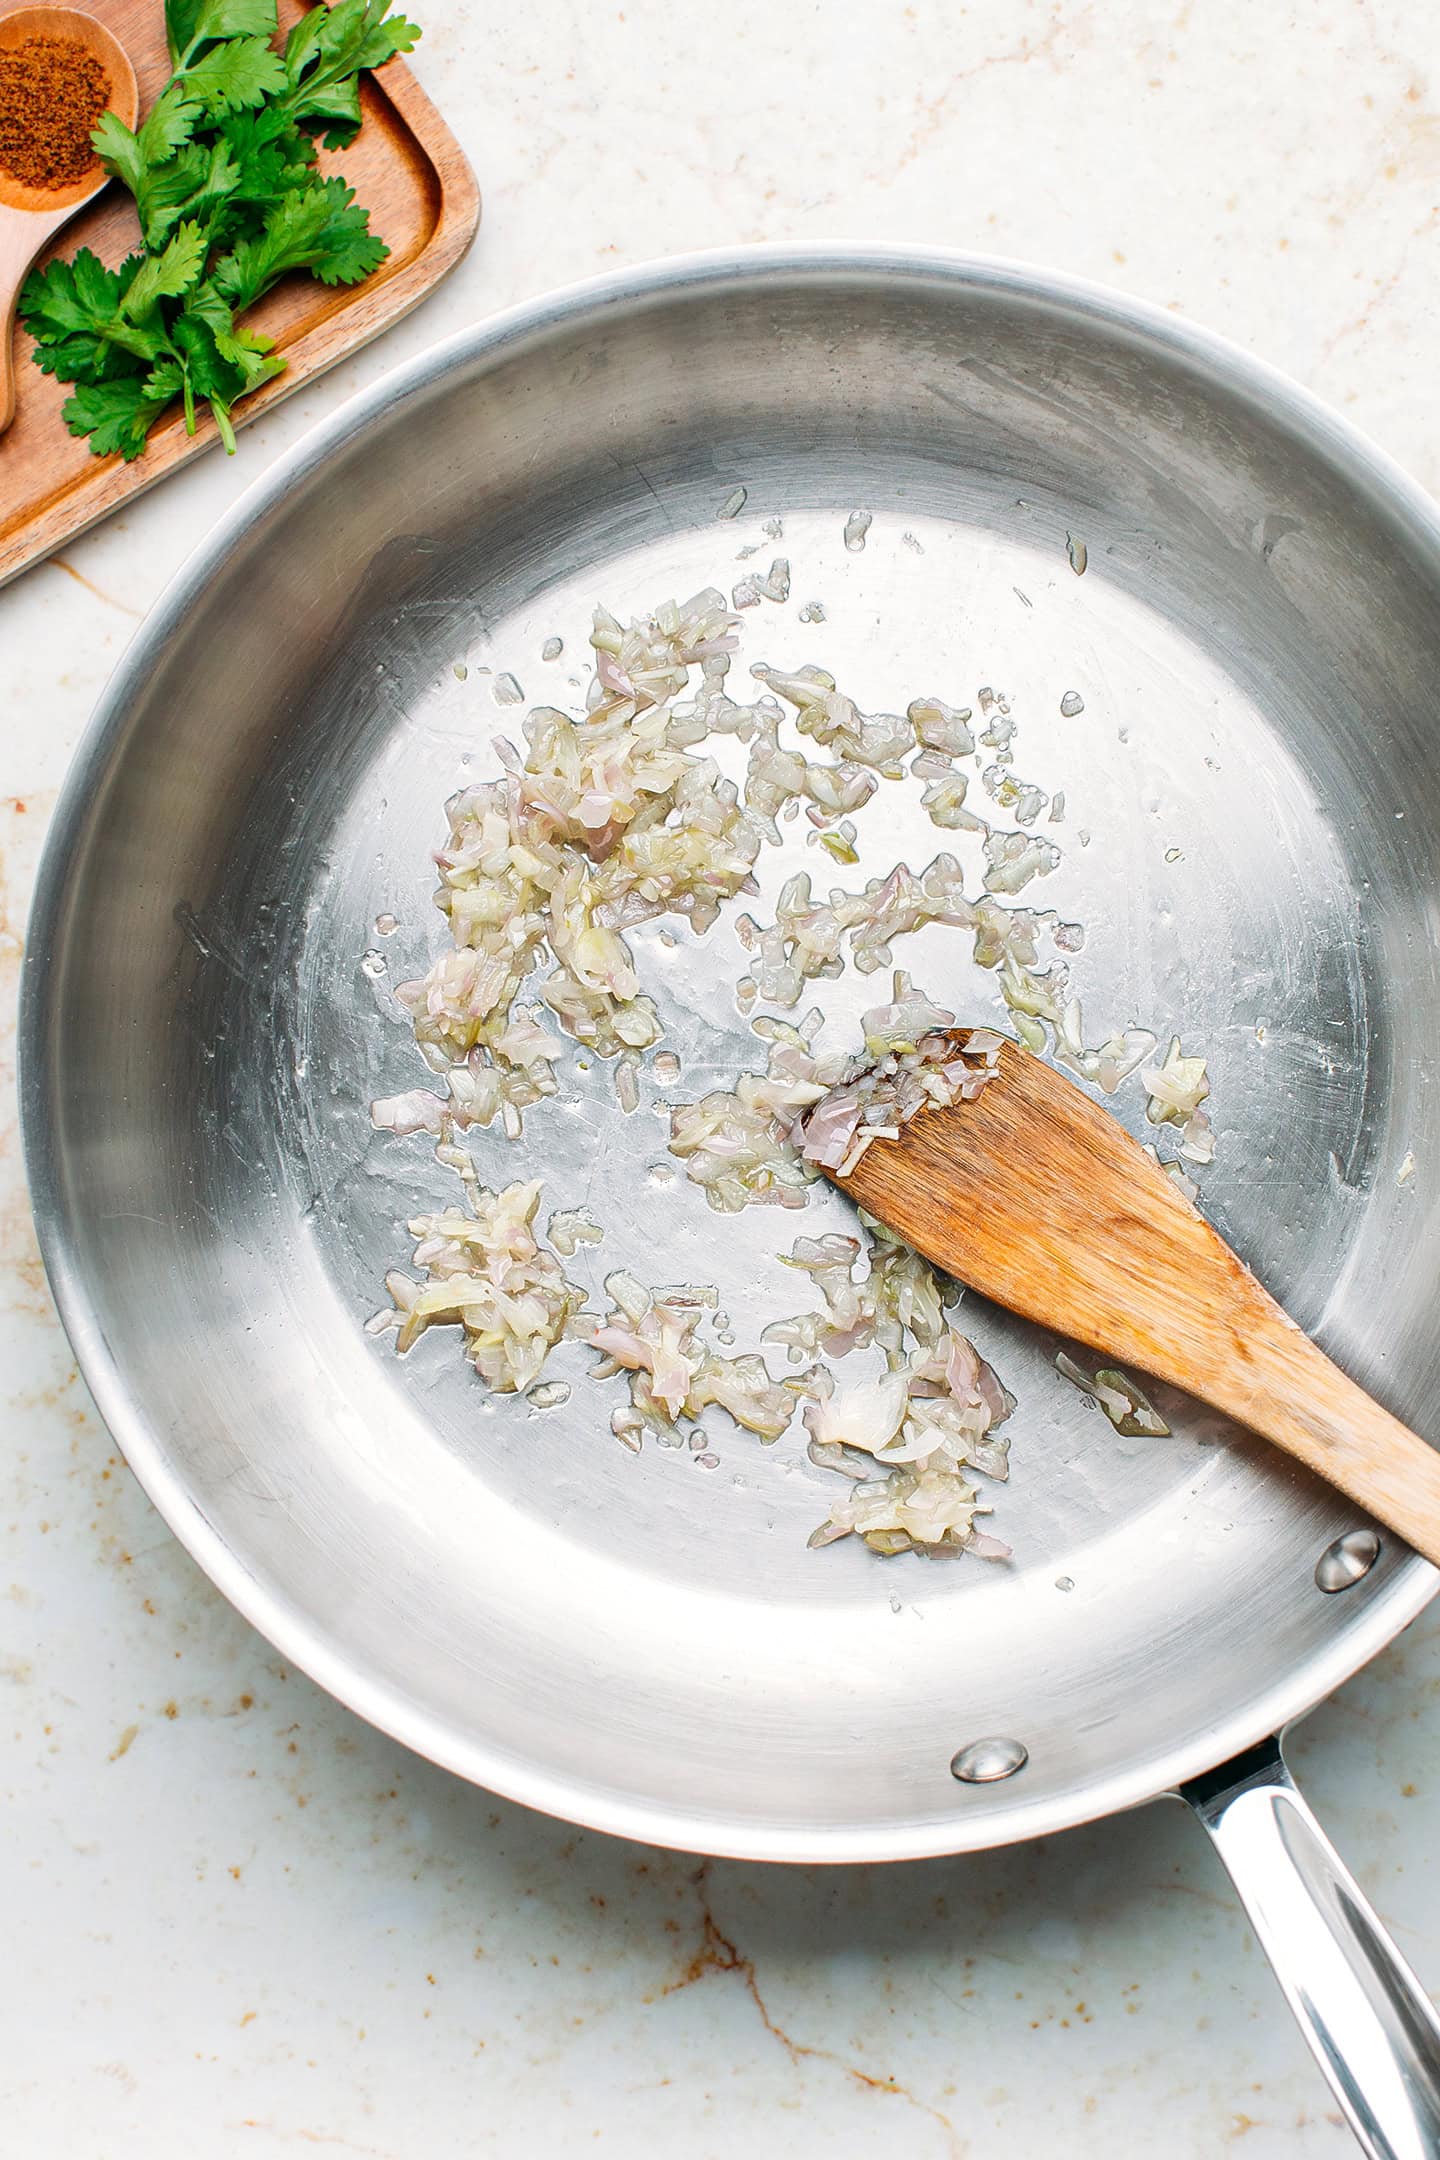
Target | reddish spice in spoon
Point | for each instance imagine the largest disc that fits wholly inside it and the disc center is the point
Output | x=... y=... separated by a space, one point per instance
x=52 y=92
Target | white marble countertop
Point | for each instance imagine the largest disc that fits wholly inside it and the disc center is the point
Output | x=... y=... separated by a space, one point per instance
x=236 y=1920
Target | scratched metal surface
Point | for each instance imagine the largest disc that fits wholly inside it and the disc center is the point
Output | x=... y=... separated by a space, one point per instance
x=640 y=1642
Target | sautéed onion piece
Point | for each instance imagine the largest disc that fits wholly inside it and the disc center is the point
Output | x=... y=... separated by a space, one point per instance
x=1122 y=1399
x=488 y=1271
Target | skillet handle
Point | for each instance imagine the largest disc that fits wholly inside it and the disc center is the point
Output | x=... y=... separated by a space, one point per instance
x=1365 y=2016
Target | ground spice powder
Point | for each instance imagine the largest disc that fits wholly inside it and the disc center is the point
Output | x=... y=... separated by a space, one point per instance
x=52 y=92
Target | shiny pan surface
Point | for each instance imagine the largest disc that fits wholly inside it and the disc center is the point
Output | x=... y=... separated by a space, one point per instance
x=644 y=1643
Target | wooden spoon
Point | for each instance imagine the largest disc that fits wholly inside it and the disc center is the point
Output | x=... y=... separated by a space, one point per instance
x=1035 y=1195
x=29 y=216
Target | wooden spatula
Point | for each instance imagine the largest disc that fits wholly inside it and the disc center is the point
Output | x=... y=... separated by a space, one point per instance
x=1034 y=1195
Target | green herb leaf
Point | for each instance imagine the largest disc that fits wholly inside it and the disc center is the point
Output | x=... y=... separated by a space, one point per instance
x=166 y=380
x=115 y=415
x=349 y=250
x=227 y=362
x=331 y=45
x=211 y=375
x=169 y=124
x=97 y=289
x=196 y=184
x=165 y=191
x=333 y=113
x=118 y=150
x=169 y=274
x=65 y=297
x=272 y=156
x=190 y=24
x=303 y=43
x=242 y=348
x=235 y=76
x=323 y=230
x=357 y=34
x=74 y=313
x=84 y=358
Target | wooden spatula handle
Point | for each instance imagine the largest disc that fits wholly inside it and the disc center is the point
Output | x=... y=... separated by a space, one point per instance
x=1282 y=1385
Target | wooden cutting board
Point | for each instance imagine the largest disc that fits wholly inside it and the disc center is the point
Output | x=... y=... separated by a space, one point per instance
x=404 y=165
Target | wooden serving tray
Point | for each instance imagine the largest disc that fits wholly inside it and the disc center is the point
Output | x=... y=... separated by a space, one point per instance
x=404 y=165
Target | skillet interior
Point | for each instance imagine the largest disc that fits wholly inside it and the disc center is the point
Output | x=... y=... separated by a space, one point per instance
x=638 y=1642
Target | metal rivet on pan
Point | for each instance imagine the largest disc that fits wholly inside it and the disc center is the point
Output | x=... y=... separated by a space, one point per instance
x=986 y=1760
x=1347 y=1560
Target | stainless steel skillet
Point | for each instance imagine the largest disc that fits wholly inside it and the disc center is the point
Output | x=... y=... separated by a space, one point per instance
x=1252 y=840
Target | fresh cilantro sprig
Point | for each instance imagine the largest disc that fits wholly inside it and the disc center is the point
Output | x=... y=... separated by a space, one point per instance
x=223 y=172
